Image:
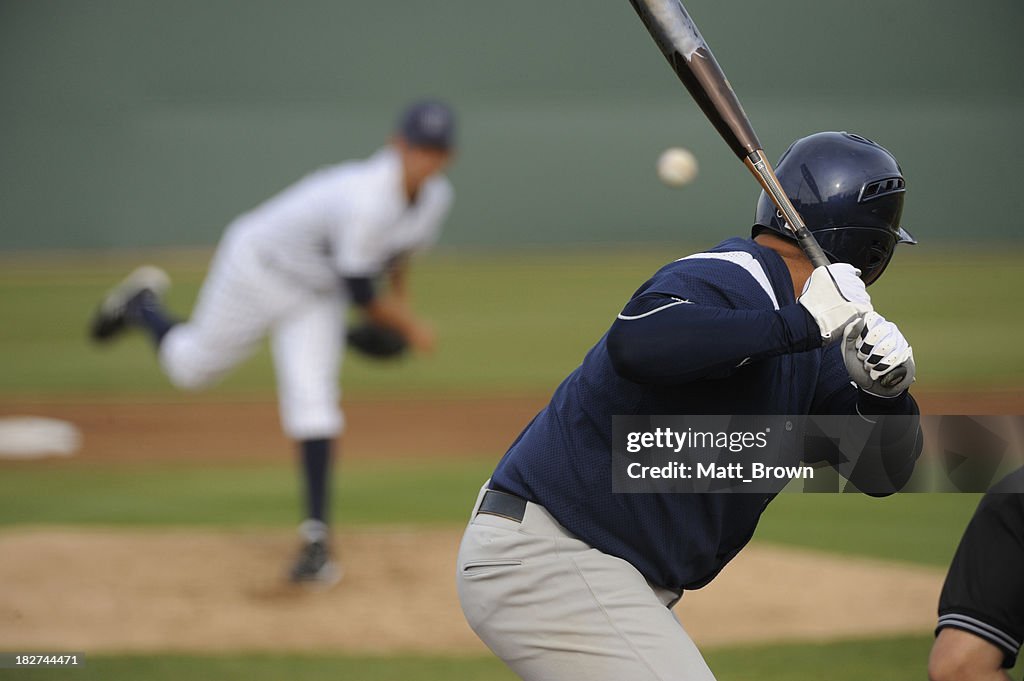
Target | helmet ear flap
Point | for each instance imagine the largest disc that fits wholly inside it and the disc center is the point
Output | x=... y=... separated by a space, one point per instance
x=869 y=249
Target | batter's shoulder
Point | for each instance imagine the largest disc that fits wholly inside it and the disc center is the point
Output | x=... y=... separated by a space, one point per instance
x=735 y=273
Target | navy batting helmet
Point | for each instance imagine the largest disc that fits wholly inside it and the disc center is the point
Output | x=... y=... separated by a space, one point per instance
x=849 y=191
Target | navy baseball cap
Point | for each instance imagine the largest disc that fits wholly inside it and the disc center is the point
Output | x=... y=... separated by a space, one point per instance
x=428 y=123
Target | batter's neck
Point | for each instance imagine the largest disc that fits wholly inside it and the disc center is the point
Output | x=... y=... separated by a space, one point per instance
x=799 y=266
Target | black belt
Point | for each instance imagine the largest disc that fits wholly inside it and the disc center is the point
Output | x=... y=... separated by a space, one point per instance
x=502 y=504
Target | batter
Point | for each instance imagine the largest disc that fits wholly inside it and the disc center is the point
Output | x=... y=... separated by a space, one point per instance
x=563 y=579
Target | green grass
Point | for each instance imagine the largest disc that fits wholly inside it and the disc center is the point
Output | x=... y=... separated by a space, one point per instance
x=955 y=308
x=267 y=667
x=414 y=492
x=893 y=659
x=505 y=324
x=510 y=323
x=919 y=528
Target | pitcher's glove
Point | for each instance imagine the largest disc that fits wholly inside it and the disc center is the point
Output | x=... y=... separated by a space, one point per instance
x=378 y=342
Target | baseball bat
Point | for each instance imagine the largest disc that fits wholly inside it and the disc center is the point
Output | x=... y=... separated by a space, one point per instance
x=690 y=57
x=688 y=54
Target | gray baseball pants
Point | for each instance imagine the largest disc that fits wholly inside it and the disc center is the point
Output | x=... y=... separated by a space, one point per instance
x=556 y=609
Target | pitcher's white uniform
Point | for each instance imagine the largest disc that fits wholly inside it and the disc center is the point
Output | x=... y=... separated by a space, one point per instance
x=279 y=269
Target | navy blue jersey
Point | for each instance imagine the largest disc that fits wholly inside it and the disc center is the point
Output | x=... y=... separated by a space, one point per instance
x=714 y=333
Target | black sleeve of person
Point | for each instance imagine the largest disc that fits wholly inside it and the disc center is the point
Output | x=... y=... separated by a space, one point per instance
x=984 y=590
x=361 y=290
x=886 y=462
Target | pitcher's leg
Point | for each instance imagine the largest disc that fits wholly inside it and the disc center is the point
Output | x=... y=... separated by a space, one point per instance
x=307 y=347
x=234 y=311
x=307 y=355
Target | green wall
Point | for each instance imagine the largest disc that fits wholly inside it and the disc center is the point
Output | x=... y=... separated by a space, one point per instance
x=139 y=123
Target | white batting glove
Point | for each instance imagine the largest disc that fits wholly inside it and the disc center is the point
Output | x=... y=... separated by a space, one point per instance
x=835 y=296
x=877 y=356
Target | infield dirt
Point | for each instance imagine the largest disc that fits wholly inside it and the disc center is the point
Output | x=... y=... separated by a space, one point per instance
x=114 y=590
x=219 y=432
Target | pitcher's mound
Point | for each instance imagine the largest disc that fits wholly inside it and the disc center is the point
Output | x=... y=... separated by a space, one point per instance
x=100 y=590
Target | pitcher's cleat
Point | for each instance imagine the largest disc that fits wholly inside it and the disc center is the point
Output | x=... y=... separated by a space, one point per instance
x=315 y=565
x=113 y=315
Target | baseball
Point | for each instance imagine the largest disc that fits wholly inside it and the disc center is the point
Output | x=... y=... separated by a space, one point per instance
x=677 y=167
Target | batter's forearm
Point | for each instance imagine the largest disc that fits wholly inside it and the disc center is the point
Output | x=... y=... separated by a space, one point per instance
x=666 y=341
